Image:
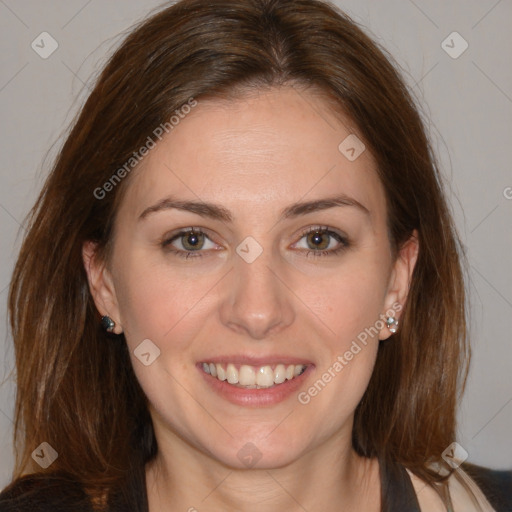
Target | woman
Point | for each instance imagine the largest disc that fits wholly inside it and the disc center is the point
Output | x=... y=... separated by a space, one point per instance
x=241 y=284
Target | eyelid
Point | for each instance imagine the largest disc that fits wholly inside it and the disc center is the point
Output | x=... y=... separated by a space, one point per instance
x=323 y=229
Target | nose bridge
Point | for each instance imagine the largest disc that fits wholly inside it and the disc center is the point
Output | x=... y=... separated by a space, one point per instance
x=256 y=302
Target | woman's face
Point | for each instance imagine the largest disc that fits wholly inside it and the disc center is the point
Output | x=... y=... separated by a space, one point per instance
x=250 y=291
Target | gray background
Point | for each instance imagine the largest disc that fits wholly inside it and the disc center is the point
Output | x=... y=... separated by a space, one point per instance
x=467 y=102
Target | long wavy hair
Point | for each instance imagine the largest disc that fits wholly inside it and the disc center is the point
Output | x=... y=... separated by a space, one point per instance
x=76 y=388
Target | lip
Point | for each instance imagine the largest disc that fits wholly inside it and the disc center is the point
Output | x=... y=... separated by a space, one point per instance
x=256 y=397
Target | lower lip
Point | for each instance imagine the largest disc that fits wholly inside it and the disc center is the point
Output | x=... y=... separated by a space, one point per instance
x=256 y=397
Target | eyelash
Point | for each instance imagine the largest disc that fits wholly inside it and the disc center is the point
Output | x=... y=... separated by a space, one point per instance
x=344 y=243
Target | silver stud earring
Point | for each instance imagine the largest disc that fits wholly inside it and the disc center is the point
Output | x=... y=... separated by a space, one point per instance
x=392 y=324
x=108 y=324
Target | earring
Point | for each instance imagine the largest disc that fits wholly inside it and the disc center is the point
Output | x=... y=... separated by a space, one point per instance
x=392 y=324
x=107 y=323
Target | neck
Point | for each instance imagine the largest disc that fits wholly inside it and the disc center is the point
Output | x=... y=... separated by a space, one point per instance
x=332 y=477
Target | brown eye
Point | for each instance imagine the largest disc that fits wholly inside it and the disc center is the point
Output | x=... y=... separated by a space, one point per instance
x=318 y=240
x=322 y=241
x=188 y=243
x=192 y=240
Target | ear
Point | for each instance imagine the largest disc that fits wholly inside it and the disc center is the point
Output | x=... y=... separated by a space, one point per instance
x=400 y=280
x=101 y=284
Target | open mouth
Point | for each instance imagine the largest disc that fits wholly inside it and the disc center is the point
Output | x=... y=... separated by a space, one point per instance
x=253 y=377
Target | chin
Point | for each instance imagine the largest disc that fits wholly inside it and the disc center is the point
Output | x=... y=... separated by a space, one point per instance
x=254 y=454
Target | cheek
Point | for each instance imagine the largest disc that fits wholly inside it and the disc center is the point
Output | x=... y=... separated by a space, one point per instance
x=351 y=312
x=169 y=309
x=349 y=304
x=347 y=301
x=157 y=301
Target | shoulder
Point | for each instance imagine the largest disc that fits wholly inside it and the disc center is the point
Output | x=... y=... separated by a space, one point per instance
x=58 y=492
x=491 y=488
x=495 y=484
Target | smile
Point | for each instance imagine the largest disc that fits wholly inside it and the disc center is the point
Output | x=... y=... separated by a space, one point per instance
x=253 y=377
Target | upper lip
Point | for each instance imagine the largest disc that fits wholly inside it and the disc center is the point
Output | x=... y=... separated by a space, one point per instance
x=256 y=361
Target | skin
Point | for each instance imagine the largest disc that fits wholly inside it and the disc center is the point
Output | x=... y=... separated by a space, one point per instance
x=254 y=156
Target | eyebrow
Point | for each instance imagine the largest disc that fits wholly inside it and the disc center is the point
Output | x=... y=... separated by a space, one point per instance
x=218 y=212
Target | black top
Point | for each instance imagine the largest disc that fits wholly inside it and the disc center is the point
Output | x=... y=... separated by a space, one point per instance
x=59 y=492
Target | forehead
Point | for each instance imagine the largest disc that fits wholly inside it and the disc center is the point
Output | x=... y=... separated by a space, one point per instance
x=256 y=153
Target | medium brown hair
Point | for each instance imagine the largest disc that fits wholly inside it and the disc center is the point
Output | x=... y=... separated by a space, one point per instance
x=75 y=385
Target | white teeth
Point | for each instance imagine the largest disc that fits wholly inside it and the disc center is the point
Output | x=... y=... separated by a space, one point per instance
x=253 y=377
x=221 y=374
x=265 y=376
x=279 y=374
x=232 y=374
x=246 y=375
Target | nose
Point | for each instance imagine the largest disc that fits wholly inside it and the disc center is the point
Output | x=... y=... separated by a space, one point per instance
x=257 y=302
